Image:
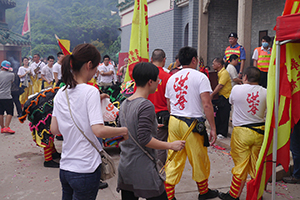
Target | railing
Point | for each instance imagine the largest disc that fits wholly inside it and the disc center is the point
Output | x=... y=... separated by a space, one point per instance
x=181 y=3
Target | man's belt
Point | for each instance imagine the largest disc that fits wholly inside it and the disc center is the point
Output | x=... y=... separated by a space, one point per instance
x=200 y=127
x=252 y=127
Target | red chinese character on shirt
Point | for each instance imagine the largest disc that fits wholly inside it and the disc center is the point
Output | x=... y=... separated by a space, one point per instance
x=253 y=102
x=181 y=90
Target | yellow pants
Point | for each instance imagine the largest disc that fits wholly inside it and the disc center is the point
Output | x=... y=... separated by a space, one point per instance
x=27 y=91
x=245 y=147
x=194 y=150
x=37 y=86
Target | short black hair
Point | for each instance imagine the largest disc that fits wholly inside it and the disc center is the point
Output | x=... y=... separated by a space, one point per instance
x=233 y=57
x=267 y=38
x=219 y=60
x=24 y=58
x=253 y=74
x=186 y=54
x=50 y=57
x=59 y=54
x=106 y=56
x=37 y=55
x=158 y=55
x=143 y=72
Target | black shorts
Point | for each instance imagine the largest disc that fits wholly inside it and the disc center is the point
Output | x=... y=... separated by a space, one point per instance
x=6 y=105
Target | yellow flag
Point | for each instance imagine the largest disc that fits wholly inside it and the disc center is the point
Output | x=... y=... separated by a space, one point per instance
x=139 y=39
x=64 y=45
x=288 y=111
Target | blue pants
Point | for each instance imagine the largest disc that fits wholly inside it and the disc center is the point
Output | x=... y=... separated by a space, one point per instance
x=77 y=186
x=295 y=148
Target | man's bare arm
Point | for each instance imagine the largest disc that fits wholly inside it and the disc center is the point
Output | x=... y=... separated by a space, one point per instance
x=216 y=91
x=209 y=113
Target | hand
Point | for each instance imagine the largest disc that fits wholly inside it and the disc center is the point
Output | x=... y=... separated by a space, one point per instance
x=177 y=145
x=125 y=135
x=49 y=82
x=103 y=96
x=240 y=76
x=28 y=72
x=212 y=137
x=160 y=125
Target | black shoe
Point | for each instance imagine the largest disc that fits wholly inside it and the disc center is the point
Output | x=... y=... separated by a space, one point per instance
x=209 y=195
x=59 y=137
x=51 y=164
x=174 y=198
x=103 y=185
x=227 y=196
x=56 y=155
x=291 y=179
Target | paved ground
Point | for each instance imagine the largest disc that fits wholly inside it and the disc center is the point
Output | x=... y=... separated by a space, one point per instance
x=23 y=177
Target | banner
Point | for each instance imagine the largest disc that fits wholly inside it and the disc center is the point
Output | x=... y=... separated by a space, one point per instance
x=139 y=39
x=288 y=112
x=26 y=24
x=64 y=45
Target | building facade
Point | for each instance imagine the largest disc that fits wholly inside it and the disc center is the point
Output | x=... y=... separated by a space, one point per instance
x=10 y=43
x=203 y=24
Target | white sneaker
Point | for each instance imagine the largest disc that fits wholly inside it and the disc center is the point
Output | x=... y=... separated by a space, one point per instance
x=220 y=136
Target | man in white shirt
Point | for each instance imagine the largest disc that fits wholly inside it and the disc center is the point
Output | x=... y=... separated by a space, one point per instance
x=106 y=71
x=37 y=67
x=188 y=98
x=57 y=67
x=249 y=107
x=47 y=74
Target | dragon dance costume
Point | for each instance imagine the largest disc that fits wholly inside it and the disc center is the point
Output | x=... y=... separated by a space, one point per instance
x=38 y=110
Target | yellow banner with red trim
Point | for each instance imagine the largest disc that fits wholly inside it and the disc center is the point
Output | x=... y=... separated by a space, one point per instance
x=288 y=112
x=139 y=39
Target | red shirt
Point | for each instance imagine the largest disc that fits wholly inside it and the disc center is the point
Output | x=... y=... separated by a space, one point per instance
x=158 y=98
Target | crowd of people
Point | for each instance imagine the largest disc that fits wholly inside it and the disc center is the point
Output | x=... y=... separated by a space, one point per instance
x=154 y=120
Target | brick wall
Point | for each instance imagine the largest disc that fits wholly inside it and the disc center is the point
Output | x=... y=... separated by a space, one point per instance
x=264 y=14
x=222 y=19
x=160 y=35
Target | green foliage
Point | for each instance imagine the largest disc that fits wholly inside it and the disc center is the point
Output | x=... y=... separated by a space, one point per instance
x=74 y=20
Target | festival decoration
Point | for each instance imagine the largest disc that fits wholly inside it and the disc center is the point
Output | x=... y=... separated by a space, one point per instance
x=288 y=58
x=139 y=39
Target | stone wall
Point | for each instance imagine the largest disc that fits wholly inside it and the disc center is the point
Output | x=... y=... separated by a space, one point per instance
x=222 y=20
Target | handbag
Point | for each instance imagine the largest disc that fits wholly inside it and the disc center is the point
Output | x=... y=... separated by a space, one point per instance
x=159 y=165
x=108 y=169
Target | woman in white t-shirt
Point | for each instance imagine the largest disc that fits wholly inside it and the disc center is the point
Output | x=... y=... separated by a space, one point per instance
x=80 y=161
x=234 y=60
x=25 y=72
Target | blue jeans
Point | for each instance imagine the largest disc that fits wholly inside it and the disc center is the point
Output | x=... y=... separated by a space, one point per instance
x=77 y=186
x=295 y=148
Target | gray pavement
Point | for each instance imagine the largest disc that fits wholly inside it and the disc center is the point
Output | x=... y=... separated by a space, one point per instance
x=22 y=175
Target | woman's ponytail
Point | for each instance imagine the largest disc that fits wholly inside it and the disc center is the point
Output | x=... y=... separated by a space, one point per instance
x=71 y=64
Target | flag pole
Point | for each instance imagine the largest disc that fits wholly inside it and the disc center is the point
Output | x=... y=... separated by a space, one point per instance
x=30 y=42
x=29 y=27
x=276 y=106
